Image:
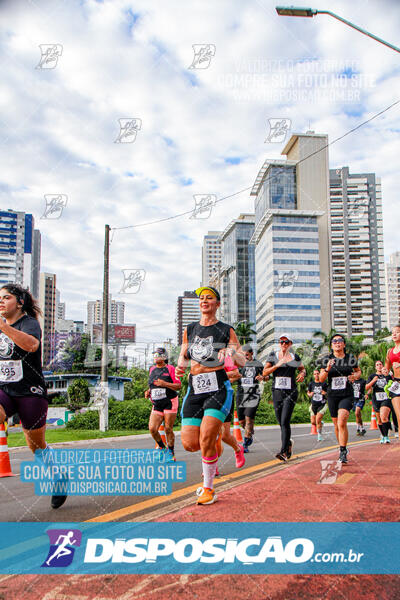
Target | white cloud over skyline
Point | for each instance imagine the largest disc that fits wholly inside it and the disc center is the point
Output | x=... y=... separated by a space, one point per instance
x=203 y=130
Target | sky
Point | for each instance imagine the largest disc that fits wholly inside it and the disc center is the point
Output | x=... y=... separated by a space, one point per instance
x=195 y=127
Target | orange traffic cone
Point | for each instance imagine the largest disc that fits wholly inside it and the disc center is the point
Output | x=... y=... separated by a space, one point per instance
x=313 y=429
x=373 y=419
x=236 y=428
x=162 y=433
x=5 y=465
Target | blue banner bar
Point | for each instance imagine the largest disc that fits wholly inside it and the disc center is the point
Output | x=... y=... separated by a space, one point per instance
x=200 y=548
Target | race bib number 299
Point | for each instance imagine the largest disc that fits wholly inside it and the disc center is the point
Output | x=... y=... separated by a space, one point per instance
x=11 y=370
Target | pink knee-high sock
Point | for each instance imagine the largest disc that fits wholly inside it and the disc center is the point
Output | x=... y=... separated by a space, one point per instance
x=209 y=469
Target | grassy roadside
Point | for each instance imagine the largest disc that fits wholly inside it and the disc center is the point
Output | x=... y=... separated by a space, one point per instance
x=69 y=435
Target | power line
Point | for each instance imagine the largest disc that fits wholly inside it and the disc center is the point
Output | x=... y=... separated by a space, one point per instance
x=188 y=212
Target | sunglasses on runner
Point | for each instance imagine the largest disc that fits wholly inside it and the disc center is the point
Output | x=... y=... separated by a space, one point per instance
x=284 y=342
x=338 y=341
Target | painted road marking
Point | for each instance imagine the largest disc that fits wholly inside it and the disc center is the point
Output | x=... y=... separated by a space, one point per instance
x=344 y=478
x=159 y=500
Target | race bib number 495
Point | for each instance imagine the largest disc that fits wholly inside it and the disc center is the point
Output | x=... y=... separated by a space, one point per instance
x=11 y=370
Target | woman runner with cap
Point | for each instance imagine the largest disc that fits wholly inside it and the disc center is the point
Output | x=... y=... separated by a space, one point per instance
x=208 y=400
x=163 y=386
x=22 y=385
x=339 y=367
x=282 y=365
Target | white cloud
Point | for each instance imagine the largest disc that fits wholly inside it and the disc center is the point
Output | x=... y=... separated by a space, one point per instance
x=59 y=126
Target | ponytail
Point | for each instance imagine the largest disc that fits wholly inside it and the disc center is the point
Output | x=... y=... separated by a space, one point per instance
x=24 y=297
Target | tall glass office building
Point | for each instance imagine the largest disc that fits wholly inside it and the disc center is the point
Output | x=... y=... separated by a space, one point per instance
x=237 y=273
x=292 y=272
x=19 y=250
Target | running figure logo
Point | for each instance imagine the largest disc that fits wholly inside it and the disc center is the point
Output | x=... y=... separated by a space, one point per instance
x=50 y=54
x=203 y=205
x=62 y=547
x=203 y=54
x=132 y=280
x=55 y=204
x=278 y=130
x=128 y=129
x=286 y=280
x=329 y=471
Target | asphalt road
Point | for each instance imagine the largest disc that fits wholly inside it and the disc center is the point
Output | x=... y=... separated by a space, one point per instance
x=18 y=501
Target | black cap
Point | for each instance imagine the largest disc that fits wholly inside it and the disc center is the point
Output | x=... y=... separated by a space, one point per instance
x=160 y=351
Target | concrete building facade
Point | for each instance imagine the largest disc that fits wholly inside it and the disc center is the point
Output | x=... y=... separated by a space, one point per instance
x=358 y=269
x=187 y=311
x=47 y=303
x=211 y=256
x=392 y=269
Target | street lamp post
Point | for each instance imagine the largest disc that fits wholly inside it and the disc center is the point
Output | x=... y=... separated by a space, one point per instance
x=297 y=11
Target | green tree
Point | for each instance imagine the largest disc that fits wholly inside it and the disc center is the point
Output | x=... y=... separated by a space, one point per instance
x=322 y=340
x=355 y=344
x=382 y=334
x=244 y=331
x=78 y=391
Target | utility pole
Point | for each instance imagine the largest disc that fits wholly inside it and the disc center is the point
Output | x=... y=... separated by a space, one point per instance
x=103 y=412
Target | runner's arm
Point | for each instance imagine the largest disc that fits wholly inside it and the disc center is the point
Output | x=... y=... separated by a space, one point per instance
x=234 y=375
x=166 y=384
x=370 y=384
x=270 y=368
x=23 y=340
x=237 y=355
x=388 y=363
x=302 y=373
x=183 y=360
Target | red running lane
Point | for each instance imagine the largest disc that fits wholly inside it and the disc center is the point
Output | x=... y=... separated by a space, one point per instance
x=369 y=492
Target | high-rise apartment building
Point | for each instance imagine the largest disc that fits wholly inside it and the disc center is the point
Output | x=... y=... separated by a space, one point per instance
x=393 y=290
x=116 y=312
x=47 y=303
x=358 y=269
x=237 y=273
x=187 y=311
x=292 y=245
x=19 y=250
x=211 y=256
x=60 y=307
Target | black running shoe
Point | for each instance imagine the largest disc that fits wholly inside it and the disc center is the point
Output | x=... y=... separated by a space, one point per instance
x=57 y=500
x=281 y=456
x=290 y=449
x=343 y=456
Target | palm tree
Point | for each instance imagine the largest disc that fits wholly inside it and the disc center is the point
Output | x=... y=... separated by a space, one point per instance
x=244 y=331
x=323 y=344
x=382 y=334
x=355 y=345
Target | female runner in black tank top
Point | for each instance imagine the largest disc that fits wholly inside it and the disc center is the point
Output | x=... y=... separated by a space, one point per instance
x=209 y=396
